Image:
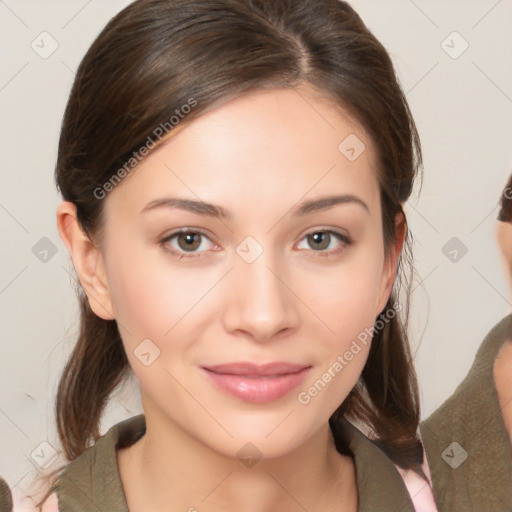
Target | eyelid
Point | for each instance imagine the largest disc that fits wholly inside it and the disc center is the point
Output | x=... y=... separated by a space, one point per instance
x=342 y=233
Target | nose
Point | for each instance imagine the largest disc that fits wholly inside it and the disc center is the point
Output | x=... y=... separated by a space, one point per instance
x=261 y=304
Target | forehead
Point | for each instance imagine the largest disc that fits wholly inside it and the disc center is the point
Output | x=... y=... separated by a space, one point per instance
x=265 y=146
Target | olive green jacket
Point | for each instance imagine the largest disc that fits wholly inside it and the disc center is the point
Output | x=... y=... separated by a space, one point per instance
x=466 y=442
x=91 y=483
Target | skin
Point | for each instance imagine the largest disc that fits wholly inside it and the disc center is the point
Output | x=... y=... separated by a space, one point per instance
x=503 y=380
x=504 y=237
x=258 y=157
x=503 y=364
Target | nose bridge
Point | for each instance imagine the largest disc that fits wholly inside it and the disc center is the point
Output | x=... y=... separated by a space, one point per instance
x=262 y=305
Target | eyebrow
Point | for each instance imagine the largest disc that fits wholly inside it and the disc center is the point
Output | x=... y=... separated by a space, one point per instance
x=212 y=210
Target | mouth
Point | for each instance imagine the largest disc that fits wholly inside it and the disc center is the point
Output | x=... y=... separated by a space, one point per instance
x=257 y=383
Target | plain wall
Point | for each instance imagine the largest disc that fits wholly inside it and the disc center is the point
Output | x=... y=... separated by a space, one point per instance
x=462 y=105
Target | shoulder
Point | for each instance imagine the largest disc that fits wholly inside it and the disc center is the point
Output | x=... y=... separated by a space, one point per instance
x=467 y=410
x=97 y=471
x=467 y=432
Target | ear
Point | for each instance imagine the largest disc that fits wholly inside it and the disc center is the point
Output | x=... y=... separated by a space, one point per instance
x=391 y=262
x=87 y=260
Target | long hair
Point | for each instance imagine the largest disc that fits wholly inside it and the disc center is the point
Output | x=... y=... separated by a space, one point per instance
x=145 y=65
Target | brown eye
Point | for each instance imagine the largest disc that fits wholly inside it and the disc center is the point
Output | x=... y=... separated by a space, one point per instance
x=319 y=240
x=189 y=241
x=185 y=243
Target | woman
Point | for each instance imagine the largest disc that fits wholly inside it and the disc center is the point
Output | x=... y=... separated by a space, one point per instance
x=206 y=148
x=468 y=440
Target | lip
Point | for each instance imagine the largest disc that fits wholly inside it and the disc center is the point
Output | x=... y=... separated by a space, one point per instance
x=257 y=383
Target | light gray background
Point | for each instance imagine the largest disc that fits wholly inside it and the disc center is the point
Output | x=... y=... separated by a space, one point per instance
x=463 y=110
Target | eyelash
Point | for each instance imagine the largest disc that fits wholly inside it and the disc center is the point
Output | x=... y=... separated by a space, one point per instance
x=346 y=242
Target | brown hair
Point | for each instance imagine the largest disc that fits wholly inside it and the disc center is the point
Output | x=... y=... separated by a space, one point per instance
x=147 y=63
x=505 y=213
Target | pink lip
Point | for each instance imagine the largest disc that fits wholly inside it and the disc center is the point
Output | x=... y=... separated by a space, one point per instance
x=257 y=383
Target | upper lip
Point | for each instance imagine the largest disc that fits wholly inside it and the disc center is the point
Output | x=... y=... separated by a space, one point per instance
x=251 y=369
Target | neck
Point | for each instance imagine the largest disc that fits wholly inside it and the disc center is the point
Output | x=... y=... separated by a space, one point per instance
x=168 y=466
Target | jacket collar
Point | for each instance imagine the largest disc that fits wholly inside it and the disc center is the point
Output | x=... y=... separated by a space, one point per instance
x=91 y=482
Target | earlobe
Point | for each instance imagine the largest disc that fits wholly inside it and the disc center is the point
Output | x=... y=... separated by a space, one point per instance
x=87 y=260
x=390 y=266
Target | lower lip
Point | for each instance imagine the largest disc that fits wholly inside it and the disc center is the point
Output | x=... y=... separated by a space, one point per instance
x=257 y=389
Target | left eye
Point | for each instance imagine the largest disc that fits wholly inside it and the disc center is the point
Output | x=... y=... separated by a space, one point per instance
x=323 y=238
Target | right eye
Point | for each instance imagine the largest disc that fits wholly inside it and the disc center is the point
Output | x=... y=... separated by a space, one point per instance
x=187 y=241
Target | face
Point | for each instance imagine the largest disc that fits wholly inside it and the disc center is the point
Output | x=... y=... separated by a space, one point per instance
x=266 y=280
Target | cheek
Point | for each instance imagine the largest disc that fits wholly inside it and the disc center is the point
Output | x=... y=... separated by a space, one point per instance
x=154 y=302
x=151 y=296
x=347 y=299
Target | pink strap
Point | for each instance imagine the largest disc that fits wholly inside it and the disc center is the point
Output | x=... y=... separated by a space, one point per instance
x=420 y=490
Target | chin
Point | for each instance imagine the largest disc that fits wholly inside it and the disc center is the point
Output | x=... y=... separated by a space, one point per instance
x=268 y=439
